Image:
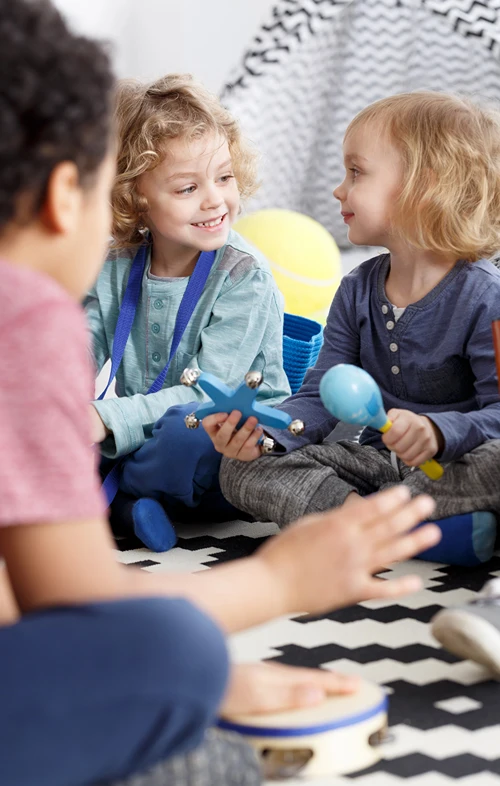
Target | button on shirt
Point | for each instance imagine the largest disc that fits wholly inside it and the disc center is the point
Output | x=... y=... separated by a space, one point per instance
x=398 y=313
x=436 y=360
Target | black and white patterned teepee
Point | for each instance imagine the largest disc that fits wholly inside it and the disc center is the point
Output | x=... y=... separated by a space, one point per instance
x=316 y=63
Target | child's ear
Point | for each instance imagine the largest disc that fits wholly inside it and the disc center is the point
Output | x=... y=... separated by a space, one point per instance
x=63 y=199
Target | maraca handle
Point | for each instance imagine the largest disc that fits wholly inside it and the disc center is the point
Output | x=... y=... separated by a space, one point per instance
x=431 y=468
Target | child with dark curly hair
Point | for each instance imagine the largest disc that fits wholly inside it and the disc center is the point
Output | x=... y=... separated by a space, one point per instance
x=105 y=670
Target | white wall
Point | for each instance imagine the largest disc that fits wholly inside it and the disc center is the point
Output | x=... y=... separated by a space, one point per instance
x=154 y=37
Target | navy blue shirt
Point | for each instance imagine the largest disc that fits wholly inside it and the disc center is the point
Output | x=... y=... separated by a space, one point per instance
x=437 y=360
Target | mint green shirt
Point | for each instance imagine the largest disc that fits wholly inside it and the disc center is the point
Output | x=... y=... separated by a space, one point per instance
x=237 y=326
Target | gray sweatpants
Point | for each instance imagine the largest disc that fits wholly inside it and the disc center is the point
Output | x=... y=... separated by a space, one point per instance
x=222 y=760
x=318 y=477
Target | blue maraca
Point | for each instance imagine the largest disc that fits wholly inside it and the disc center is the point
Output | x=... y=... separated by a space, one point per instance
x=353 y=396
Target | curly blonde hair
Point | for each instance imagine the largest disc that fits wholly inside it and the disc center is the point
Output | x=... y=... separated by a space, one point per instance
x=149 y=116
x=450 y=147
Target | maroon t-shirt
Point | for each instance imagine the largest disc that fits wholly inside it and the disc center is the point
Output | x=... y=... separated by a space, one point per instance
x=47 y=464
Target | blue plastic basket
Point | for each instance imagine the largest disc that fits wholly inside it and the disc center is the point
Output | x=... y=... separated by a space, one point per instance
x=302 y=341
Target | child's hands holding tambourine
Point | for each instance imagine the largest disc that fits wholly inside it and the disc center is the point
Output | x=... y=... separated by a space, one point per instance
x=273 y=687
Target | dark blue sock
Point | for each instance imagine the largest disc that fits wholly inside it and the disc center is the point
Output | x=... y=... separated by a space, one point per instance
x=467 y=539
x=152 y=525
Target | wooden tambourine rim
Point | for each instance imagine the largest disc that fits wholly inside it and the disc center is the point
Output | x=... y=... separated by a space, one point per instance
x=263 y=731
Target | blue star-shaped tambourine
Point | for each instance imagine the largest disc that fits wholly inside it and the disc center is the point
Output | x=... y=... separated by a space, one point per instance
x=225 y=399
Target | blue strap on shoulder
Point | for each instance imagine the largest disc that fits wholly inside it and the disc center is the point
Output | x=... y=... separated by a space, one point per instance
x=189 y=300
x=127 y=312
x=126 y=317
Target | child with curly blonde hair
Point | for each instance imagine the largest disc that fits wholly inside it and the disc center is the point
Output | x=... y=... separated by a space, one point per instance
x=183 y=167
x=422 y=180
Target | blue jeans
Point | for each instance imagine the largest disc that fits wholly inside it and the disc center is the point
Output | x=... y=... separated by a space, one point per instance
x=180 y=468
x=95 y=693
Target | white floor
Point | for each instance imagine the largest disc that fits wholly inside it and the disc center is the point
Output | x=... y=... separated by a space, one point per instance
x=444 y=716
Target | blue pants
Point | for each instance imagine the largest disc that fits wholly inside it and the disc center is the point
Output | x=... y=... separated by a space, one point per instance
x=180 y=468
x=92 y=694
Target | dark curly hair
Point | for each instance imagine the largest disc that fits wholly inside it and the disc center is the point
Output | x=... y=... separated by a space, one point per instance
x=55 y=102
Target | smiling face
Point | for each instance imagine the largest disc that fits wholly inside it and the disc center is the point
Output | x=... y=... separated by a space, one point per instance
x=373 y=180
x=192 y=195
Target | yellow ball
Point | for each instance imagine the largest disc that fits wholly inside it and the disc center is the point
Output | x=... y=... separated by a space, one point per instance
x=304 y=258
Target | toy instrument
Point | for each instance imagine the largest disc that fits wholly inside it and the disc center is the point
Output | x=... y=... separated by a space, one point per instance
x=243 y=398
x=353 y=396
x=339 y=736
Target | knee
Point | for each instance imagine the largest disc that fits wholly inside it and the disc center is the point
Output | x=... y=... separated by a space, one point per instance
x=158 y=469
x=171 y=426
x=178 y=654
x=231 y=480
x=193 y=446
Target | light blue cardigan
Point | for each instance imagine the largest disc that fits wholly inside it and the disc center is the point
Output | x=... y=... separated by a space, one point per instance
x=237 y=326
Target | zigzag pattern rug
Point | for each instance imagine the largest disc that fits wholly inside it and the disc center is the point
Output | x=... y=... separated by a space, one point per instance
x=316 y=63
x=444 y=713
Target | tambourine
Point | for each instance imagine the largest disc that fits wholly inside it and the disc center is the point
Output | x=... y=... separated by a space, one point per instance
x=226 y=399
x=339 y=736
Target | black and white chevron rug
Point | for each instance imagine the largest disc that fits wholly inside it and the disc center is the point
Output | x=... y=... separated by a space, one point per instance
x=316 y=63
x=444 y=713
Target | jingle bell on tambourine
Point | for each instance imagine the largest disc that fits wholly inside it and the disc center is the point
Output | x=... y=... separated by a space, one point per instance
x=339 y=736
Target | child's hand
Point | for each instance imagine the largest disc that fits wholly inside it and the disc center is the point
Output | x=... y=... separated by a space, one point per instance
x=272 y=687
x=98 y=431
x=327 y=560
x=414 y=438
x=242 y=444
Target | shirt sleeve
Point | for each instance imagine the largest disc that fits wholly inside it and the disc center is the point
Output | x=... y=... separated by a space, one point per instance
x=341 y=345
x=464 y=431
x=99 y=349
x=47 y=466
x=244 y=332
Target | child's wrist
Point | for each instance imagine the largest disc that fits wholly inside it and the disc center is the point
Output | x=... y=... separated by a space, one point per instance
x=273 y=588
x=99 y=429
x=438 y=435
